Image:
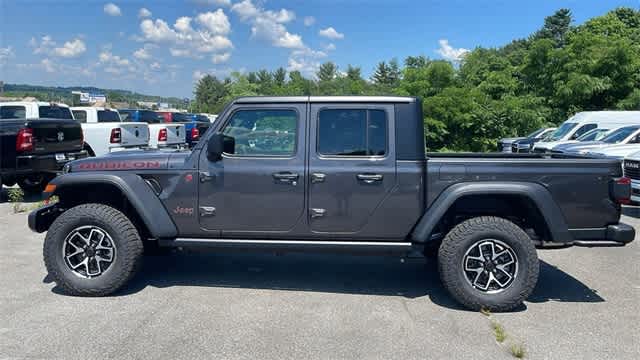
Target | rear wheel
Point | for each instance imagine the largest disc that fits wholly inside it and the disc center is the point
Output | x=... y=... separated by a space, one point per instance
x=488 y=263
x=34 y=183
x=92 y=250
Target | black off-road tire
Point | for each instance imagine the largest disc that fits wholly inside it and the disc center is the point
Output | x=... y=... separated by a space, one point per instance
x=124 y=235
x=462 y=237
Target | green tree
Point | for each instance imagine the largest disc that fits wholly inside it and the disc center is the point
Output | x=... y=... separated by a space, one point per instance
x=210 y=95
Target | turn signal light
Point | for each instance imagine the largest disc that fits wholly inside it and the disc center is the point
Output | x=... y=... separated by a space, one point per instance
x=116 y=136
x=195 y=134
x=24 y=140
x=162 y=135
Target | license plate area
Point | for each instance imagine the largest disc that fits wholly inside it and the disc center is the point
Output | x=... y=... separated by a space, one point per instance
x=61 y=157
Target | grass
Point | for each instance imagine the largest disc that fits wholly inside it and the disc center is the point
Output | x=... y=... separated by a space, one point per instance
x=517 y=350
x=498 y=331
x=16 y=196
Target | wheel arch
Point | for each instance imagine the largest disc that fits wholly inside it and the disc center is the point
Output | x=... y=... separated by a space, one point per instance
x=536 y=199
x=127 y=192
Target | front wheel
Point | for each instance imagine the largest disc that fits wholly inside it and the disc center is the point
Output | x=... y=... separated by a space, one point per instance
x=488 y=263
x=92 y=250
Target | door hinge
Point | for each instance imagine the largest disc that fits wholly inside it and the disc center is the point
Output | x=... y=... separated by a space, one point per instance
x=316 y=213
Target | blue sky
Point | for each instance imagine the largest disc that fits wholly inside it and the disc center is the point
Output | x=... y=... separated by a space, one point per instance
x=162 y=47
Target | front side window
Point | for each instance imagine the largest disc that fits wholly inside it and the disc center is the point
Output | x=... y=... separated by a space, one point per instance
x=620 y=135
x=13 y=112
x=55 y=112
x=352 y=132
x=80 y=115
x=262 y=133
x=108 y=116
x=582 y=130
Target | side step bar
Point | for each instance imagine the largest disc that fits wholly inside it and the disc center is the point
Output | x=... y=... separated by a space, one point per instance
x=358 y=247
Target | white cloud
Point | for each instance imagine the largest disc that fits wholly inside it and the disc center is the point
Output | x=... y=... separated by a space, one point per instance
x=44 y=46
x=331 y=33
x=144 y=53
x=186 y=41
x=6 y=54
x=112 y=9
x=449 y=52
x=306 y=61
x=220 y=58
x=198 y=74
x=216 y=22
x=48 y=65
x=268 y=24
x=69 y=49
x=212 y=2
x=330 y=47
x=144 y=13
x=309 y=20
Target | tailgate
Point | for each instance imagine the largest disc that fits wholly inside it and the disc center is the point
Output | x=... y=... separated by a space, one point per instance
x=56 y=136
x=134 y=134
x=176 y=134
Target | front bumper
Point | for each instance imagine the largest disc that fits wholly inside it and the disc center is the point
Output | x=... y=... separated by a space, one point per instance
x=613 y=235
x=40 y=219
x=635 y=191
x=50 y=163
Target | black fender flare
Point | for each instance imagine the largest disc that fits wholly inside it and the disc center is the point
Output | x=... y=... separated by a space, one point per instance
x=135 y=189
x=537 y=193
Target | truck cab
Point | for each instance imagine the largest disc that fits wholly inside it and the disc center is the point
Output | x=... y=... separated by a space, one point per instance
x=105 y=132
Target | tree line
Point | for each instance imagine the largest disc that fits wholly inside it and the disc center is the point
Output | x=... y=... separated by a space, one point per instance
x=511 y=90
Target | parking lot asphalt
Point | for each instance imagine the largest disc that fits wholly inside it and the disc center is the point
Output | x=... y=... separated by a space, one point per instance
x=192 y=305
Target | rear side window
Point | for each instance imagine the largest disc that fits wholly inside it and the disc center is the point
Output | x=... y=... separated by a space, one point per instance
x=108 y=116
x=54 y=112
x=80 y=115
x=181 y=117
x=13 y=112
x=352 y=132
x=151 y=117
x=262 y=133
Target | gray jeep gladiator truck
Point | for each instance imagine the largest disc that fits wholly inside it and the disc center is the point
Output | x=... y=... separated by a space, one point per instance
x=331 y=174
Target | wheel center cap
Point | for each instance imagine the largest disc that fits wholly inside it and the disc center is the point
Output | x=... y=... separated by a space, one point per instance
x=89 y=251
x=489 y=265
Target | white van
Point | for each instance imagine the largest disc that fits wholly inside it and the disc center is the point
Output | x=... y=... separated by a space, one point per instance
x=584 y=121
x=104 y=131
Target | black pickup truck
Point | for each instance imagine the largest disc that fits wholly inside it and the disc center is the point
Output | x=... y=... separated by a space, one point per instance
x=33 y=150
x=331 y=174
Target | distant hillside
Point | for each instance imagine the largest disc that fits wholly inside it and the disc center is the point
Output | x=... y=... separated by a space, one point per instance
x=63 y=94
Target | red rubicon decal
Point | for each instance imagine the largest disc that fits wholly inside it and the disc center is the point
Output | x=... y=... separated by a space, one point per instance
x=123 y=165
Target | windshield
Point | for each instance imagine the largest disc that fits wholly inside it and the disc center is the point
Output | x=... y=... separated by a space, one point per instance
x=535 y=133
x=620 y=134
x=55 y=112
x=108 y=116
x=593 y=135
x=561 y=132
x=181 y=117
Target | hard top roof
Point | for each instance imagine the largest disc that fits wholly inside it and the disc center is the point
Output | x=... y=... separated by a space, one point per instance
x=323 y=99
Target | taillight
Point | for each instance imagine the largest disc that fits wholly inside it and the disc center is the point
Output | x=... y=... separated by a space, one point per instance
x=24 y=140
x=162 y=135
x=621 y=190
x=195 y=134
x=116 y=136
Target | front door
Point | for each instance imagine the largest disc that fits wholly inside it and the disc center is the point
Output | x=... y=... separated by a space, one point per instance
x=258 y=187
x=351 y=168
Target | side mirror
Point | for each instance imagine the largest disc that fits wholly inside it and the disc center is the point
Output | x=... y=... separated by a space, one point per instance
x=215 y=147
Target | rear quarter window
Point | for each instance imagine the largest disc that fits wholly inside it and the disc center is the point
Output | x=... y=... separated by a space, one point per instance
x=13 y=112
x=54 y=112
x=108 y=116
x=80 y=115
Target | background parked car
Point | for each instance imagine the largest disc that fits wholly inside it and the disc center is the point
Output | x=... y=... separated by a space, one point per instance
x=584 y=121
x=505 y=144
x=33 y=149
x=104 y=131
x=195 y=125
x=620 y=136
x=161 y=134
x=631 y=167
x=615 y=151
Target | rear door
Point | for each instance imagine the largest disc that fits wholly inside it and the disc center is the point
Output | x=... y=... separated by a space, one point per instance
x=351 y=167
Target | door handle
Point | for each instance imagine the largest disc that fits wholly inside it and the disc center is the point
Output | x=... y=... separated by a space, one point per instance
x=286 y=177
x=318 y=177
x=369 y=178
x=316 y=213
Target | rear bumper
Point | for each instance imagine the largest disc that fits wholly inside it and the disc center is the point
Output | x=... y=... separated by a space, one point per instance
x=617 y=234
x=45 y=163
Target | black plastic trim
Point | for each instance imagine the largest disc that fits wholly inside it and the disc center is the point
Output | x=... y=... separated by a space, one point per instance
x=537 y=193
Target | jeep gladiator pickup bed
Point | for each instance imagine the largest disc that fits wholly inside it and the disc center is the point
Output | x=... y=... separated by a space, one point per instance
x=331 y=174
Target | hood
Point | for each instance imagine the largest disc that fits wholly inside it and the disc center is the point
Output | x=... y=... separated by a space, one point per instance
x=615 y=151
x=579 y=146
x=129 y=160
x=510 y=140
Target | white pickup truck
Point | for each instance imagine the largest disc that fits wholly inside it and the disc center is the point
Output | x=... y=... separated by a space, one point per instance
x=104 y=131
x=162 y=134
